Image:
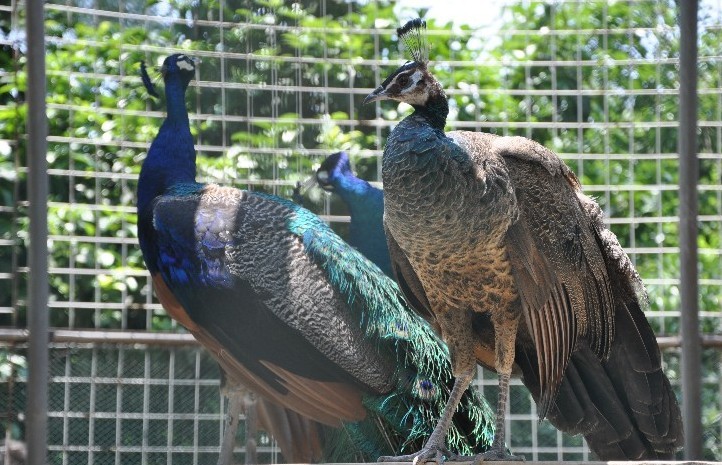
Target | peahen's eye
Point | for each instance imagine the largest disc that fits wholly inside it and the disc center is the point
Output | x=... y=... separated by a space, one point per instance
x=403 y=81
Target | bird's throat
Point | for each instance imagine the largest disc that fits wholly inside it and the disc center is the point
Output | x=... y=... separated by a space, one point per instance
x=435 y=111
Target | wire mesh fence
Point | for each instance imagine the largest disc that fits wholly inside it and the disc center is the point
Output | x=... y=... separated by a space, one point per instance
x=280 y=85
x=132 y=404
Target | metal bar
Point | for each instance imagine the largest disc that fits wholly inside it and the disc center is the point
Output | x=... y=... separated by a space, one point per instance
x=166 y=20
x=688 y=179
x=103 y=337
x=706 y=341
x=38 y=286
x=65 y=336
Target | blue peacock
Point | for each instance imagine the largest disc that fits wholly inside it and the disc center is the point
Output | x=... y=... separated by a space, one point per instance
x=292 y=312
x=365 y=204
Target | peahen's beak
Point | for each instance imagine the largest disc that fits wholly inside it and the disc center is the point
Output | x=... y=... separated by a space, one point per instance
x=378 y=94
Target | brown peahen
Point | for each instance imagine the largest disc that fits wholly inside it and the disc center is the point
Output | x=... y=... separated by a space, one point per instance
x=494 y=242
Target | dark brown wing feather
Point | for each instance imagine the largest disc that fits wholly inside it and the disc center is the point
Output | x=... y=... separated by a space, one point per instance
x=558 y=266
x=548 y=312
x=614 y=390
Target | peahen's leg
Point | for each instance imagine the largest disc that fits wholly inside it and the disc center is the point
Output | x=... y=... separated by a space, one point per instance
x=505 y=332
x=435 y=448
x=456 y=329
x=500 y=430
x=498 y=449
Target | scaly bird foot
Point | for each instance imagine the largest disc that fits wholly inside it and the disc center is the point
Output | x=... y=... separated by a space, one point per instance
x=497 y=454
x=430 y=453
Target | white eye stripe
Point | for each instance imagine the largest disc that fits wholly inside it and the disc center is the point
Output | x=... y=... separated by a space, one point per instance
x=184 y=64
x=413 y=94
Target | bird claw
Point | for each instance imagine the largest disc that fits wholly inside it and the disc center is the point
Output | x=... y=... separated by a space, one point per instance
x=497 y=455
x=430 y=453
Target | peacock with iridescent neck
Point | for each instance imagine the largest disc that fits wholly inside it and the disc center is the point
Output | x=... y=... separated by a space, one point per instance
x=492 y=239
x=366 y=208
x=291 y=311
x=171 y=162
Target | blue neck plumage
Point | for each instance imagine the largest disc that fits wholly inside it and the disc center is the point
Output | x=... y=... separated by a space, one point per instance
x=365 y=201
x=366 y=232
x=171 y=158
x=353 y=190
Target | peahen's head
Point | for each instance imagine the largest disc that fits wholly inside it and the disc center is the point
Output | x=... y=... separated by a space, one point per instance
x=413 y=83
x=334 y=168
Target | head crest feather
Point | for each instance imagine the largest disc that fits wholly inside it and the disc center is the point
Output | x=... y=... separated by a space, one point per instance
x=413 y=38
x=147 y=82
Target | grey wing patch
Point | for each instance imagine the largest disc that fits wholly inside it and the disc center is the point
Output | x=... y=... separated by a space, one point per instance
x=310 y=305
x=479 y=144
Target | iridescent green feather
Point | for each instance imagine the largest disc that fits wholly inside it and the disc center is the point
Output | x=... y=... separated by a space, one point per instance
x=423 y=366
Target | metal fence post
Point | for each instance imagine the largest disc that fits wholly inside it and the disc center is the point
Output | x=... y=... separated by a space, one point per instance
x=688 y=208
x=36 y=409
